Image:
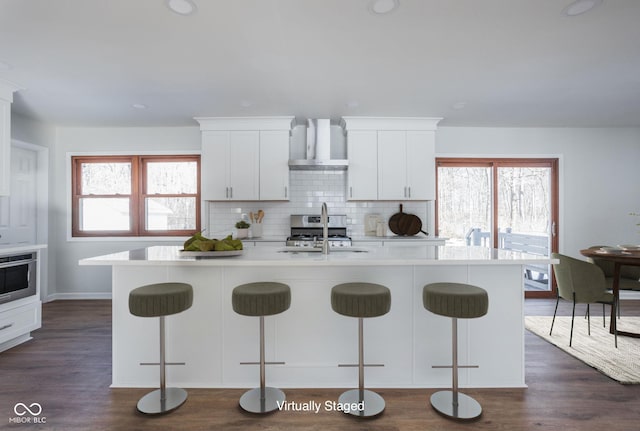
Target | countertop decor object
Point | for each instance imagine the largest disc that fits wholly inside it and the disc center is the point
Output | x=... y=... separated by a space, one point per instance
x=243 y=229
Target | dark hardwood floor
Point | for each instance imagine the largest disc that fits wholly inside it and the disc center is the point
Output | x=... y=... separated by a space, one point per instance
x=67 y=369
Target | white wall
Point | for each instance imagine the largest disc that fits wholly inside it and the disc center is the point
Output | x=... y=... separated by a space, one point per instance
x=32 y=131
x=599 y=185
x=69 y=280
x=599 y=175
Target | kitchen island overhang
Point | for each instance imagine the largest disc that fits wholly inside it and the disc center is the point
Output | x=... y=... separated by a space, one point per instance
x=309 y=337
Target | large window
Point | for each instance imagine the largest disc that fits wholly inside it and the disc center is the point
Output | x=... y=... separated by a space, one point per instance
x=135 y=195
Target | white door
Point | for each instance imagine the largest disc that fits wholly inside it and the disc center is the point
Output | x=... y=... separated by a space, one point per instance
x=18 y=211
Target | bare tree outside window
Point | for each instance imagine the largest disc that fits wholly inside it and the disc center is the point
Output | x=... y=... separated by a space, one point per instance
x=500 y=203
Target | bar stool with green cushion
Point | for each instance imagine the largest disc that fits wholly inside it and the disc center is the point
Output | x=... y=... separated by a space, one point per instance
x=160 y=300
x=261 y=299
x=361 y=300
x=458 y=301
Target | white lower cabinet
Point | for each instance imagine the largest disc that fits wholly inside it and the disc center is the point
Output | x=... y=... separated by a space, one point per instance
x=16 y=323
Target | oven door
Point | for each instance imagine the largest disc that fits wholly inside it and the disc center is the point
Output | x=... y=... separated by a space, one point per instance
x=17 y=279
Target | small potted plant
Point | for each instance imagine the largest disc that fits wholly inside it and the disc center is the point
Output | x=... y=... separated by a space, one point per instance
x=243 y=229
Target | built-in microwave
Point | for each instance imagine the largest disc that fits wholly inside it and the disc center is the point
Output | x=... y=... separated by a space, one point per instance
x=17 y=276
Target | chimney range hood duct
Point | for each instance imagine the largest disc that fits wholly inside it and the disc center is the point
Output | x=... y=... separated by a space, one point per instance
x=318 y=149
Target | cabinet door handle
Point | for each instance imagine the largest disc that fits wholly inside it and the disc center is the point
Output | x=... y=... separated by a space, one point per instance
x=409 y=192
x=350 y=191
x=405 y=191
x=285 y=191
x=6 y=326
x=231 y=192
x=226 y=192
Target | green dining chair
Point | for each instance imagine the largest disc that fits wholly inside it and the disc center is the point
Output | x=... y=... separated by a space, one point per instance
x=583 y=283
x=629 y=275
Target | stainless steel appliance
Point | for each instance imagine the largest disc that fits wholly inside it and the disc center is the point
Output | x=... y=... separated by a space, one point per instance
x=306 y=231
x=17 y=276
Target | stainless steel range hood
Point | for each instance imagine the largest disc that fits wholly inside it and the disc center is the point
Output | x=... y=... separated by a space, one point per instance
x=318 y=152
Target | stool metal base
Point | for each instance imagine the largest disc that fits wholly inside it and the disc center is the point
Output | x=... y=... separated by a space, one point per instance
x=466 y=409
x=153 y=404
x=366 y=403
x=252 y=402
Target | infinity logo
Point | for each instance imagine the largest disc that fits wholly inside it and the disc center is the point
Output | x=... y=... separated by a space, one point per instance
x=21 y=409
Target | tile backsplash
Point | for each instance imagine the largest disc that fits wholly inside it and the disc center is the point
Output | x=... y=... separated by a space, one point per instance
x=308 y=190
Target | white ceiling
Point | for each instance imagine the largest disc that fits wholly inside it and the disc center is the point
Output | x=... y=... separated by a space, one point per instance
x=513 y=62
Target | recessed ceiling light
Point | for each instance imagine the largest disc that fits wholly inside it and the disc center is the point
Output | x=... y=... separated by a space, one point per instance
x=181 y=7
x=4 y=66
x=382 y=7
x=459 y=105
x=246 y=104
x=578 y=7
x=353 y=104
x=139 y=106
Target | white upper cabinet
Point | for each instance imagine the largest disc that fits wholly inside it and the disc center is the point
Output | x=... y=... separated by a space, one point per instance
x=392 y=165
x=406 y=165
x=229 y=166
x=245 y=159
x=394 y=158
x=274 y=167
x=6 y=98
x=362 y=152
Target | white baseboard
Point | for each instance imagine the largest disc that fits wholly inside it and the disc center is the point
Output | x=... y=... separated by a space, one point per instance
x=77 y=296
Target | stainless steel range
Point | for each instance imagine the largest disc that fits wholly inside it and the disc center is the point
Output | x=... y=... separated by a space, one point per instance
x=306 y=231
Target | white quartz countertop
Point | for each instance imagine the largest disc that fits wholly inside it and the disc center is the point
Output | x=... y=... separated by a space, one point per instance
x=415 y=238
x=414 y=255
x=20 y=248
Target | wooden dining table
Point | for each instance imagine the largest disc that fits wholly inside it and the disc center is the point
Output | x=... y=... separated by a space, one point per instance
x=619 y=258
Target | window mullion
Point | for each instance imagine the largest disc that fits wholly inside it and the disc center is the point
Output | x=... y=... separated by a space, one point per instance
x=135 y=195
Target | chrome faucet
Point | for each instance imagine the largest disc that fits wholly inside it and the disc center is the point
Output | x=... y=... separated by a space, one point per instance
x=324 y=219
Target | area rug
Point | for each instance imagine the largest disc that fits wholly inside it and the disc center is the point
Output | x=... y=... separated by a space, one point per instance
x=598 y=350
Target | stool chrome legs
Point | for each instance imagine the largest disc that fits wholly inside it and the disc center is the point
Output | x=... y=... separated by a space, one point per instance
x=165 y=399
x=263 y=399
x=452 y=403
x=369 y=403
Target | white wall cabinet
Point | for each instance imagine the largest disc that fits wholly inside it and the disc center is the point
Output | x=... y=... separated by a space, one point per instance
x=274 y=165
x=391 y=158
x=362 y=177
x=245 y=159
x=229 y=167
x=406 y=165
x=6 y=98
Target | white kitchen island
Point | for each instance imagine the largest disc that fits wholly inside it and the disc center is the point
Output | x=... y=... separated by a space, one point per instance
x=310 y=337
